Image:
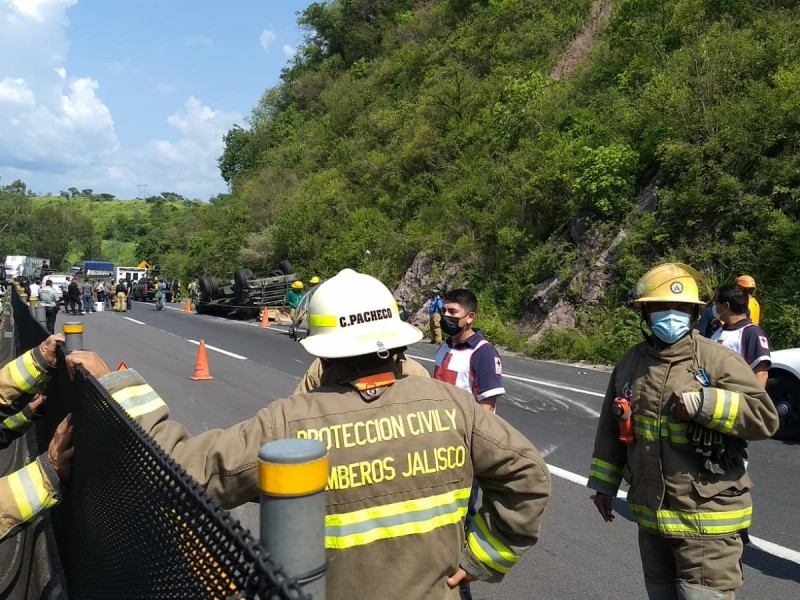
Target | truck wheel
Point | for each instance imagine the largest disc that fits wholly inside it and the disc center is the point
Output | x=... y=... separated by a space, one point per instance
x=784 y=390
x=286 y=267
x=205 y=288
x=240 y=285
x=212 y=282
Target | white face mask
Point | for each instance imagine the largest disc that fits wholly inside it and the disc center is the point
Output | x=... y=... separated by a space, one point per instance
x=669 y=325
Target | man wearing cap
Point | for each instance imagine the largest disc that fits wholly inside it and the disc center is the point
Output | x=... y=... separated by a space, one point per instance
x=748 y=285
x=403 y=454
x=293 y=297
x=675 y=420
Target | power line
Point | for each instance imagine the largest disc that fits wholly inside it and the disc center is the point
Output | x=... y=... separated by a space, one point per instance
x=142 y=190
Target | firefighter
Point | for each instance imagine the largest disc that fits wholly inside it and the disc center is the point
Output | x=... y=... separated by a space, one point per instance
x=403 y=453
x=34 y=488
x=675 y=418
x=293 y=297
x=121 y=297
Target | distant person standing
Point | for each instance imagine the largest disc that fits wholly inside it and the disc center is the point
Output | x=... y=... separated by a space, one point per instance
x=129 y=294
x=34 y=289
x=74 y=292
x=435 y=317
x=194 y=292
x=709 y=323
x=293 y=297
x=121 y=298
x=748 y=285
x=48 y=298
x=87 y=290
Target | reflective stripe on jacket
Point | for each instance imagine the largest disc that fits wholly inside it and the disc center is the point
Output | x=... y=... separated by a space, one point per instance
x=401 y=468
x=25 y=374
x=671 y=493
x=27 y=493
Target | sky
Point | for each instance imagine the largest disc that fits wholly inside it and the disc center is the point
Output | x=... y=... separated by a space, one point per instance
x=115 y=95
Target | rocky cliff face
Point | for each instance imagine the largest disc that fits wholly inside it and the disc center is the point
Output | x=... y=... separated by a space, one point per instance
x=424 y=274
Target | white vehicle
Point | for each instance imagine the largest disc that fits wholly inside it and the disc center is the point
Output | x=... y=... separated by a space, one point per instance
x=783 y=386
x=132 y=274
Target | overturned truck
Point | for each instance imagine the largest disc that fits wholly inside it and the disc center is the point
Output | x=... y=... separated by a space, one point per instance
x=246 y=293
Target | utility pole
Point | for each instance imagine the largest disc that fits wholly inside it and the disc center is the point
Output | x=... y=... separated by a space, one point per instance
x=142 y=190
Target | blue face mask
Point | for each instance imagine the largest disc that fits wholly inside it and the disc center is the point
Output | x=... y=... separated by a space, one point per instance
x=669 y=325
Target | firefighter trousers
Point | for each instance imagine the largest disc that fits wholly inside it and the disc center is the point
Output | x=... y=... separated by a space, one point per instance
x=436 y=327
x=691 y=569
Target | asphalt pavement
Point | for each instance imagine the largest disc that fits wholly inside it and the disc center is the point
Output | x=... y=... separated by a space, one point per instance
x=554 y=405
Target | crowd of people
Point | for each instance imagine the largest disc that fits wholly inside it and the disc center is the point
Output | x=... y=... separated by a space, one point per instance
x=675 y=424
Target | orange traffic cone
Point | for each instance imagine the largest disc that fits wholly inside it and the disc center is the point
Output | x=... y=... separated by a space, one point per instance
x=122 y=366
x=265 y=317
x=188 y=306
x=201 y=372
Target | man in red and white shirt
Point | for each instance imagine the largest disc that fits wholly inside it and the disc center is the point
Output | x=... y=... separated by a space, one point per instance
x=466 y=359
x=739 y=333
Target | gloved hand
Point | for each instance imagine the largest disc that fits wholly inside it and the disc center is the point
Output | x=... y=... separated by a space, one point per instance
x=689 y=405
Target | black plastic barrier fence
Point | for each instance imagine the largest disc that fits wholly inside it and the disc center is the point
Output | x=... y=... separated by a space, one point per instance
x=132 y=523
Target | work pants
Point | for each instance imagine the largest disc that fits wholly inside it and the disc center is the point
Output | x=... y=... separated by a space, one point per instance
x=120 y=304
x=691 y=569
x=51 y=312
x=436 y=327
x=87 y=304
x=74 y=305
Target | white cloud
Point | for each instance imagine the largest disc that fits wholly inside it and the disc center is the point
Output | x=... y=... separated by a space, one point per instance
x=16 y=91
x=289 y=51
x=188 y=164
x=199 y=41
x=56 y=131
x=266 y=39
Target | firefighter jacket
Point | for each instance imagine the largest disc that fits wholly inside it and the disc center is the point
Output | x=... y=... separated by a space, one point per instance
x=313 y=376
x=34 y=488
x=402 y=462
x=671 y=493
x=25 y=374
x=27 y=493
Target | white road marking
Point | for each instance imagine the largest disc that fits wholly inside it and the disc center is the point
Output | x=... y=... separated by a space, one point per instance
x=135 y=321
x=763 y=545
x=220 y=350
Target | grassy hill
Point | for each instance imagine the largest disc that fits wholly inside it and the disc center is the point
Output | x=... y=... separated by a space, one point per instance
x=545 y=154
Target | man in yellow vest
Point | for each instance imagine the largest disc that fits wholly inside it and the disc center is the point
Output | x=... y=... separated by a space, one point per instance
x=748 y=284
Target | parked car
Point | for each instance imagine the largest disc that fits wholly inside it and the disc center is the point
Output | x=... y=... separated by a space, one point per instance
x=145 y=290
x=783 y=386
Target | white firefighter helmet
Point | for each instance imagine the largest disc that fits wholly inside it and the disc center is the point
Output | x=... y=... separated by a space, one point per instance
x=353 y=314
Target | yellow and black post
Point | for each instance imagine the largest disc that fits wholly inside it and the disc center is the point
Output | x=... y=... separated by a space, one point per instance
x=73 y=334
x=292 y=475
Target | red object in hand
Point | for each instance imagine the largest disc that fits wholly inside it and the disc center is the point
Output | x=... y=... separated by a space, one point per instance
x=622 y=411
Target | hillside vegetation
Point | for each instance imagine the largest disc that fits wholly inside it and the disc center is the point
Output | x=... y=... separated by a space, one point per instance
x=436 y=126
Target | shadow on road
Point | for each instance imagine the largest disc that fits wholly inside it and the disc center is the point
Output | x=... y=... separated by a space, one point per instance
x=771 y=565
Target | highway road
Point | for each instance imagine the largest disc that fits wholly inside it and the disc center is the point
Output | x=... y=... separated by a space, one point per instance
x=554 y=405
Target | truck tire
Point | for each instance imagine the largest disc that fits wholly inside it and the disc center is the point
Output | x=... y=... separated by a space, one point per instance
x=240 y=285
x=212 y=281
x=286 y=267
x=205 y=288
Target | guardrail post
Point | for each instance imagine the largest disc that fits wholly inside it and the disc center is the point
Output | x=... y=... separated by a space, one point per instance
x=33 y=302
x=73 y=334
x=41 y=314
x=292 y=475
